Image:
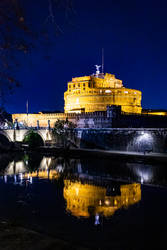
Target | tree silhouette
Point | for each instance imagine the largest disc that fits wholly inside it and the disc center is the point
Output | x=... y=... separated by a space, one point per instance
x=63 y=131
x=20 y=32
x=33 y=140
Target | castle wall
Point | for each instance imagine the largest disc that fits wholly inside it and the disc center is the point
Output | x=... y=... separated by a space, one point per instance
x=137 y=140
x=33 y=120
x=92 y=101
x=95 y=93
x=112 y=118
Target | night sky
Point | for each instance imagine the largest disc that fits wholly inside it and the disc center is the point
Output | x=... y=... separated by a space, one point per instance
x=133 y=35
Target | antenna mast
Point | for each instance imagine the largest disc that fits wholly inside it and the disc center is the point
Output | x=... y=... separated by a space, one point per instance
x=102 y=60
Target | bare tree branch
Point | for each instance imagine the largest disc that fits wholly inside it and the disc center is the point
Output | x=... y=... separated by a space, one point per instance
x=17 y=35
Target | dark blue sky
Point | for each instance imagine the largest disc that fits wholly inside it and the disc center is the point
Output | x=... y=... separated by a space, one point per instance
x=134 y=37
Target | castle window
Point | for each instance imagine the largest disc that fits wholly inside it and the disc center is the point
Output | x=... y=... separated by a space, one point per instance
x=83 y=84
x=69 y=86
x=73 y=85
x=108 y=91
x=78 y=84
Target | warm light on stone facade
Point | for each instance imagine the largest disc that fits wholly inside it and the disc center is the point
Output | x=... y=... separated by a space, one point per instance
x=88 y=94
x=96 y=92
x=154 y=112
x=80 y=197
x=31 y=120
x=87 y=99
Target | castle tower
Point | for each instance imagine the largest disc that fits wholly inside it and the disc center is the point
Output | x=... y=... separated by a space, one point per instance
x=96 y=92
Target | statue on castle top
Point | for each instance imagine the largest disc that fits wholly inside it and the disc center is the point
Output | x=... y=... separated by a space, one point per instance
x=97 y=69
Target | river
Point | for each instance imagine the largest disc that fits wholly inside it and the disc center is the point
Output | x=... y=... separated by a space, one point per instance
x=96 y=203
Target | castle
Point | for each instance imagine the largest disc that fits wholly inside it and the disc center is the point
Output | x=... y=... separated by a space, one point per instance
x=96 y=92
x=98 y=101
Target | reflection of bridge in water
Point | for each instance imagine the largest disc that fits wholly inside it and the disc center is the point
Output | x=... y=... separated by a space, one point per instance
x=52 y=167
x=20 y=169
x=88 y=195
x=86 y=192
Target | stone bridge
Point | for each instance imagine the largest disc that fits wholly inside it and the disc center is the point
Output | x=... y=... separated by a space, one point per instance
x=18 y=135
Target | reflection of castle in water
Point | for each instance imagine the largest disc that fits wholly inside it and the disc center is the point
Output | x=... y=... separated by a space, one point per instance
x=84 y=199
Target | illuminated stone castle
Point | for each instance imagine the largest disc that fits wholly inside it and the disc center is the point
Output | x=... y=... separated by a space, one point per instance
x=96 y=92
x=86 y=95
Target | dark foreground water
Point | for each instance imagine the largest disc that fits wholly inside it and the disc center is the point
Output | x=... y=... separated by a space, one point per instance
x=96 y=203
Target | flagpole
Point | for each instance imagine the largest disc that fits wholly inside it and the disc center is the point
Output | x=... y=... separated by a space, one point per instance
x=102 y=60
x=27 y=111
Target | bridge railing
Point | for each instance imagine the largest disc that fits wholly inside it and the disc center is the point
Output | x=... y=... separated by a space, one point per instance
x=21 y=128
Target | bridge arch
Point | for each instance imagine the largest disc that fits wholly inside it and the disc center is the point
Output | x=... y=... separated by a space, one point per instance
x=5 y=135
x=35 y=132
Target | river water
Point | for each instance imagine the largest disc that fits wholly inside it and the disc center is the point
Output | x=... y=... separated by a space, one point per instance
x=97 y=203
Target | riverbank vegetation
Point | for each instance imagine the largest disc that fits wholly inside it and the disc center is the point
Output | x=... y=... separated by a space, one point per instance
x=33 y=140
x=63 y=132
